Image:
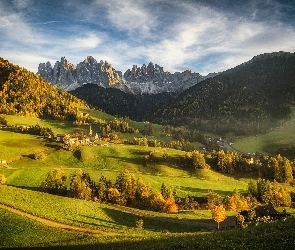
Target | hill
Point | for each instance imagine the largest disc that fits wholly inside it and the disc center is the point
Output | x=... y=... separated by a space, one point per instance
x=117 y=102
x=25 y=93
x=248 y=99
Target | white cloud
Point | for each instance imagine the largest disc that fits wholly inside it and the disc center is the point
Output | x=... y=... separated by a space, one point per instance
x=28 y=60
x=15 y=28
x=21 y=4
x=89 y=40
x=131 y=16
x=187 y=35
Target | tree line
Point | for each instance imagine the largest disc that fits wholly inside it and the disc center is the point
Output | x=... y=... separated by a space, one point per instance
x=127 y=190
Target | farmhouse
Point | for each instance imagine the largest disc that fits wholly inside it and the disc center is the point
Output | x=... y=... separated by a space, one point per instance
x=265 y=211
x=3 y=162
x=60 y=137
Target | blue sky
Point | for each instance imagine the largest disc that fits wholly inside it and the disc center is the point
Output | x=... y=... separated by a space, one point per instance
x=203 y=36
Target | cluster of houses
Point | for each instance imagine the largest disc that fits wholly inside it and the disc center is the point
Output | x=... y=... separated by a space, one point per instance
x=3 y=162
x=78 y=137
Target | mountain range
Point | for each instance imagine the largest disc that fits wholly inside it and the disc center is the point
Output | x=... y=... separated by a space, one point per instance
x=249 y=99
x=147 y=79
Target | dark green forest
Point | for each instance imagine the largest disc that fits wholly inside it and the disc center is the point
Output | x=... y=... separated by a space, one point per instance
x=249 y=99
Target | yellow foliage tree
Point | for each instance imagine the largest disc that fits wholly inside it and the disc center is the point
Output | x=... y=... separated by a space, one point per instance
x=218 y=214
x=170 y=206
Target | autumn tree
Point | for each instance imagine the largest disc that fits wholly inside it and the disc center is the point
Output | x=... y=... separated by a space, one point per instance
x=198 y=160
x=114 y=196
x=270 y=192
x=218 y=214
x=81 y=185
x=240 y=219
x=237 y=202
x=166 y=191
x=102 y=189
x=55 y=182
x=149 y=129
x=170 y=206
x=3 y=179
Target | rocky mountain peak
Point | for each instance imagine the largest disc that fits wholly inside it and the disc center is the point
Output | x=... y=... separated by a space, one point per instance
x=69 y=77
x=145 y=79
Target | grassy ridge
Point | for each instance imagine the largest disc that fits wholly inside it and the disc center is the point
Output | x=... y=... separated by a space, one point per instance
x=32 y=178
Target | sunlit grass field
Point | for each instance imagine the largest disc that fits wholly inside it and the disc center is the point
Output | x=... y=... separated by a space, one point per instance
x=25 y=175
x=276 y=235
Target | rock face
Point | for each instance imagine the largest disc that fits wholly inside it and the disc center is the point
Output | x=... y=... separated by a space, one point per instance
x=68 y=77
x=150 y=79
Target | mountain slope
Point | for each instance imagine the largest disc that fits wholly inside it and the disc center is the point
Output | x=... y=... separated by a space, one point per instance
x=250 y=97
x=25 y=93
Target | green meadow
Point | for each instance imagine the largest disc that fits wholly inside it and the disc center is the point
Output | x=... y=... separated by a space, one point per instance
x=279 y=140
x=161 y=231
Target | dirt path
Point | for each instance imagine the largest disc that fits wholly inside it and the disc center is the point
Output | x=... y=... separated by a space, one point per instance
x=208 y=226
x=57 y=224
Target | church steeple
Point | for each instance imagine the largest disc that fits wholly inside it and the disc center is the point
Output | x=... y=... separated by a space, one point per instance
x=90 y=130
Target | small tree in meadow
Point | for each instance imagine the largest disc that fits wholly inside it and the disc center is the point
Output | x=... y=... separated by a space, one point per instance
x=218 y=214
x=139 y=224
x=3 y=180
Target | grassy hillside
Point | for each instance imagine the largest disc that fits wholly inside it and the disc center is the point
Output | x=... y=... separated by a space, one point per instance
x=24 y=171
x=279 y=140
x=35 y=234
x=158 y=233
x=25 y=175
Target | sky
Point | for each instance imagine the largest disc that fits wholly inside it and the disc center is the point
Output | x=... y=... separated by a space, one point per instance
x=199 y=35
